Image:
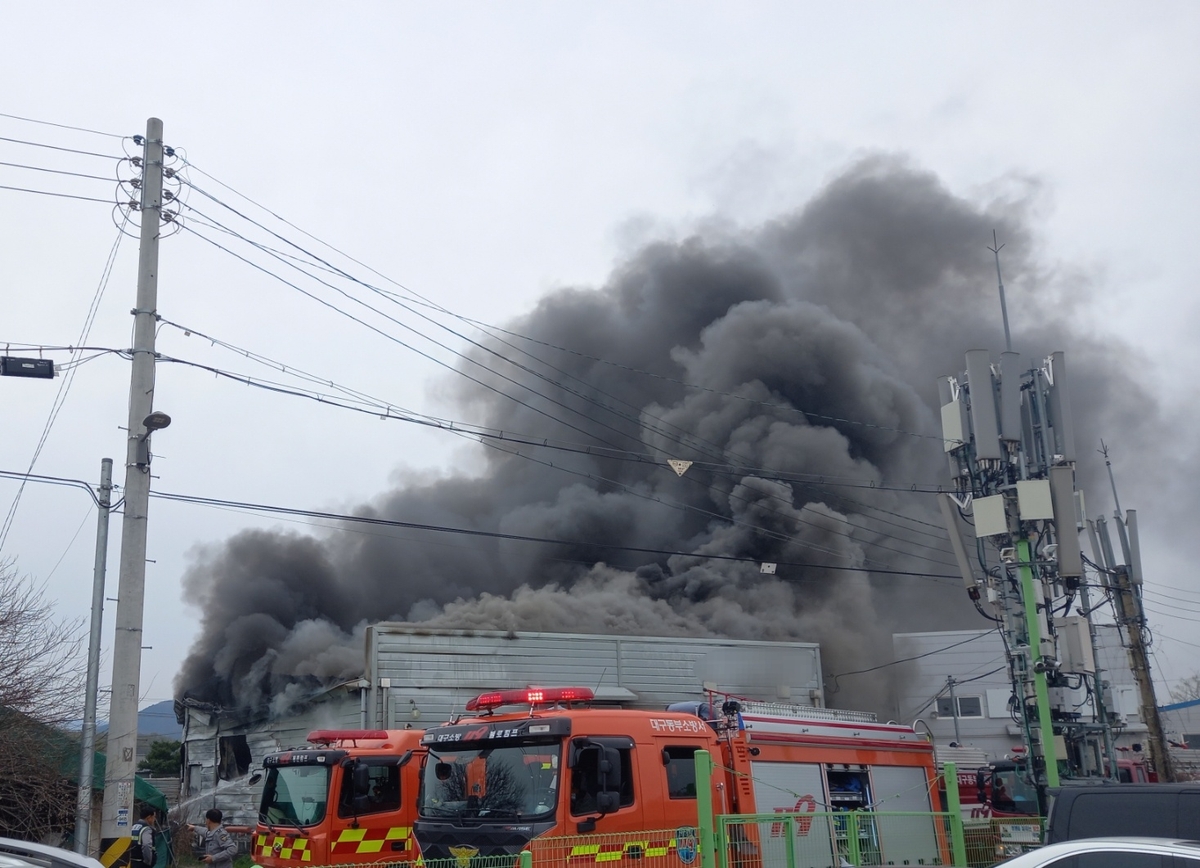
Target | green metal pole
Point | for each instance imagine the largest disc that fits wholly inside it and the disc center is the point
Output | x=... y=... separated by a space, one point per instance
x=1029 y=601
x=958 y=840
x=526 y=859
x=789 y=829
x=852 y=838
x=704 y=808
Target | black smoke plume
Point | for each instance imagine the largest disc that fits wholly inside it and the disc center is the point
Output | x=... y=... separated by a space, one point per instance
x=780 y=360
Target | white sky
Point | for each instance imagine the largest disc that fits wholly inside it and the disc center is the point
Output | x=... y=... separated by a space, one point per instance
x=483 y=153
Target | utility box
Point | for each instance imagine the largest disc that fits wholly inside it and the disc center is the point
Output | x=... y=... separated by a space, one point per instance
x=38 y=369
x=1075 y=645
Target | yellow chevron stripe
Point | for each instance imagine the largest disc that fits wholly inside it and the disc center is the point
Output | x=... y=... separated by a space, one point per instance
x=351 y=835
x=118 y=849
x=396 y=833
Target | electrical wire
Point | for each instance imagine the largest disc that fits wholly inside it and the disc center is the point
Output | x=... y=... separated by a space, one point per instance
x=327 y=266
x=56 y=171
x=839 y=675
x=60 y=148
x=64 y=387
x=491 y=438
x=420 y=298
x=61 y=126
x=474 y=532
x=482 y=383
x=56 y=195
x=383 y=410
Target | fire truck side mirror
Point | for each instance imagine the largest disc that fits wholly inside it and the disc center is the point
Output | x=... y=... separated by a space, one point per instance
x=610 y=769
x=981 y=786
x=362 y=780
x=608 y=802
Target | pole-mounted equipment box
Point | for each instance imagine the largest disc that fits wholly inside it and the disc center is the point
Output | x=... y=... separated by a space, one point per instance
x=38 y=369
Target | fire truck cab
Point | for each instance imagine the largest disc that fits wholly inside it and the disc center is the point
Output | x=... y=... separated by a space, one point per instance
x=346 y=797
x=494 y=782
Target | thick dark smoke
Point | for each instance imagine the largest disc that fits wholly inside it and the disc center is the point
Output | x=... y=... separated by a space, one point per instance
x=809 y=346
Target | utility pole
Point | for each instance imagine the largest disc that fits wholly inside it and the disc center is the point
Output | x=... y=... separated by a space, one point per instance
x=1132 y=620
x=954 y=708
x=127 y=644
x=1126 y=582
x=87 y=741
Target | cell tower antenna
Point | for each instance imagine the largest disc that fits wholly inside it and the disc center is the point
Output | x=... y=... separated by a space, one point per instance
x=1003 y=307
x=1103 y=450
x=996 y=248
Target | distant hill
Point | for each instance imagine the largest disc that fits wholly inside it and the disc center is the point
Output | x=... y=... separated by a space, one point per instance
x=157 y=720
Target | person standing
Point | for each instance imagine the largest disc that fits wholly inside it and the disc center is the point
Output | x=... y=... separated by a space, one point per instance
x=142 y=853
x=219 y=846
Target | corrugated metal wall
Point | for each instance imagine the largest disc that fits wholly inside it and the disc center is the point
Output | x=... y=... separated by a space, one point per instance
x=420 y=677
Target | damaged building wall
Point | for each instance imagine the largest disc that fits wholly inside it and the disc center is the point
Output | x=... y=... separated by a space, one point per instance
x=223 y=748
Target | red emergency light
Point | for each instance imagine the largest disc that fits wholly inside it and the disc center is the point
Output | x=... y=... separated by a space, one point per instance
x=529 y=696
x=328 y=736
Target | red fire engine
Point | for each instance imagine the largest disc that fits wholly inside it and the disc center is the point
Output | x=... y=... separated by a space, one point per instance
x=346 y=798
x=496 y=781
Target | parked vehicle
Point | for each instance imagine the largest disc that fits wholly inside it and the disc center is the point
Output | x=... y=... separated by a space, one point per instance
x=348 y=797
x=494 y=783
x=1112 y=853
x=1155 y=810
x=23 y=854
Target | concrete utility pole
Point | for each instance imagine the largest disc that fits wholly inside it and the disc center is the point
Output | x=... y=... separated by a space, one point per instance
x=1129 y=614
x=127 y=644
x=87 y=741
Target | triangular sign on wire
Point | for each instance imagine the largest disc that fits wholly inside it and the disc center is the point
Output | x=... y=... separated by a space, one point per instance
x=680 y=467
x=767 y=568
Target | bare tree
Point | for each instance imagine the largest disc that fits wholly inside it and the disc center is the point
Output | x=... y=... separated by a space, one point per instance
x=1187 y=689
x=41 y=678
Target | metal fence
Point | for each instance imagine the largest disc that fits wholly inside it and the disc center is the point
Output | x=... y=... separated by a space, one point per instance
x=833 y=840
x=987 y=843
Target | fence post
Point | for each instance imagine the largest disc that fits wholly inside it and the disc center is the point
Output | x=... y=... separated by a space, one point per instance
x=704 y=808
x=789 y=829
x=526 y=859
x=852 y=838
x=958 y=841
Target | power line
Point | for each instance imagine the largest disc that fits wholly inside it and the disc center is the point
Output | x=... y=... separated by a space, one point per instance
x=57 y=171
x=57 y=195
x=473 y=532
x=267 y=508
x=60 y=148
x=974 y=638
x=493 y=439
x=433 y=305
x=62 y=126
x=64 y=387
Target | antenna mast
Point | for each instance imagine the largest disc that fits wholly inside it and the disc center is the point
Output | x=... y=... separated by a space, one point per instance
x=996 y=248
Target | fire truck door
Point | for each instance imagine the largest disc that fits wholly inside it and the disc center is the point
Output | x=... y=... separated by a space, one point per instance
x=799 y=788
x=377 y=827
x=907 y=840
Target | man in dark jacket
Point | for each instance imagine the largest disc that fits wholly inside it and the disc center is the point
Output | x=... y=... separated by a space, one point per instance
x=219 y=846
x=141 y=849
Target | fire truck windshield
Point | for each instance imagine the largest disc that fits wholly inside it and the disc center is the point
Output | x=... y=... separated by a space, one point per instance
x=497 y=781
x=295 y=795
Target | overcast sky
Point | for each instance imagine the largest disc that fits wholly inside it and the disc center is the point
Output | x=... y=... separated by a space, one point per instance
x=483 y=154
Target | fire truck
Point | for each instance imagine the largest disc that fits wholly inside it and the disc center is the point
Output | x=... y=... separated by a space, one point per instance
x=544 y=763
x=347 y=797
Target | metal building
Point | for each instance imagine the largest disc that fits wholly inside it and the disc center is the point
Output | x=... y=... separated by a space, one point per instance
x=416 y=677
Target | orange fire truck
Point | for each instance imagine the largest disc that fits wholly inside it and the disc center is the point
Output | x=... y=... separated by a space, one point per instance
x=346 y=798
x=496 y=781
